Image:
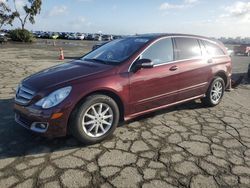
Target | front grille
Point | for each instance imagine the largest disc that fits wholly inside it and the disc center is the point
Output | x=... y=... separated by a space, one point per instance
x=24 y=95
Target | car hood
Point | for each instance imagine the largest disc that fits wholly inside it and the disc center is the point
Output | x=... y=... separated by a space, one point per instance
x=63 y=73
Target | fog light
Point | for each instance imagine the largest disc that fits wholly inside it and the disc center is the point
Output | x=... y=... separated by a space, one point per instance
x=39 y=127
x=42 y=126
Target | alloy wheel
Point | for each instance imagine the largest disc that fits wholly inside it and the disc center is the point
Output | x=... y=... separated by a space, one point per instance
x=216 y=92
x=97 y=120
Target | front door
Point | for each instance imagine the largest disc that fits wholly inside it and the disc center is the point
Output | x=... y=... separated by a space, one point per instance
x=154 y=87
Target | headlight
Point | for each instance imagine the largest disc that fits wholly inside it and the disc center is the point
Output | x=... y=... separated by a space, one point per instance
x=54 y=98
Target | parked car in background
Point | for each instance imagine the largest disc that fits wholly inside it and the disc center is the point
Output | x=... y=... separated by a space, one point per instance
x=2 y=34
x=97 y=37
x=54 y=35
x=62 y=35
x=80 y=36
x=45 y=35
x=72 y=36
x=3 y=39
x=243 y=49
x=107 y=37
x=89 y=37
x=117 y=37
x=36 y=34
x=121 y=80
x=39 y=34
x=98 y=45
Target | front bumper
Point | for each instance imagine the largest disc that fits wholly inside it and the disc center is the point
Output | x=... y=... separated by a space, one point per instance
x=39 y=121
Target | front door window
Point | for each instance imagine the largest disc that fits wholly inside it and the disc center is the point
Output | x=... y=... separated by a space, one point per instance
x=160 y=52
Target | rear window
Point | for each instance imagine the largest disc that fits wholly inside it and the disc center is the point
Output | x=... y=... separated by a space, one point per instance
x=213 y=49
x=187 y=48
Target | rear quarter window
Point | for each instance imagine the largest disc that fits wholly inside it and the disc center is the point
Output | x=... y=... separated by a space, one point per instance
x=213 y=49
x=187 y=48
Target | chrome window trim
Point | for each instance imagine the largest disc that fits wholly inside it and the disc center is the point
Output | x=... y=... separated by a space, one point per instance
x=176 y=61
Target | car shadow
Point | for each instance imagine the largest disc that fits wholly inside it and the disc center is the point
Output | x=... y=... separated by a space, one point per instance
x=16 y=141
x=242 y=78
x=195 y=104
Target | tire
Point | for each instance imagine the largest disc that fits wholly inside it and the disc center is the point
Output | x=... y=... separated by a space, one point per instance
x=211 y=98
x=86 y=120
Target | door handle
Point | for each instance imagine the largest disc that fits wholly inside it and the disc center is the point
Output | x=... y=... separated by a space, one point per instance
x=210 y=61
x=173 y=68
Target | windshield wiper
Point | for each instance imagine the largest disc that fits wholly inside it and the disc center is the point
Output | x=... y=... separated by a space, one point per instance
x=97 y=60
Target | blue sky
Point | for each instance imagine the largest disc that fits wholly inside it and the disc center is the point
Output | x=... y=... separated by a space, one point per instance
x=215 y=18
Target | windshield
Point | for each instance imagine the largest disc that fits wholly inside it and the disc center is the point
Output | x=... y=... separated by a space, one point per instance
x=116 y=51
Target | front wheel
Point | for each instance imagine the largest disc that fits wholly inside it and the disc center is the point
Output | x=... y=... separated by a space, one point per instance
x=95 y=120
x=215 y=92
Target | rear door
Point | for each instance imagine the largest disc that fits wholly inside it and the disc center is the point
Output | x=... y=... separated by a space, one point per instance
x=193 y=68
x=218 y=60
x=214 y=52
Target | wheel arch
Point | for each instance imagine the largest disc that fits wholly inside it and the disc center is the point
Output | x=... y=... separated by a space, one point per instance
x=106 y=92
x=223 y=75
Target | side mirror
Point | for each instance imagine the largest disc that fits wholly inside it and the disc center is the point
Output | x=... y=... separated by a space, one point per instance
x=144 y=64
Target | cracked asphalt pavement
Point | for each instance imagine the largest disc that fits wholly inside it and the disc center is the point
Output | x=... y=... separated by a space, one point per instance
x=183 y=146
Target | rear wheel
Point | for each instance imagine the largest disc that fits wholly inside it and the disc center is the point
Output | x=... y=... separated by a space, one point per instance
x=96 y=119
x=215 y=92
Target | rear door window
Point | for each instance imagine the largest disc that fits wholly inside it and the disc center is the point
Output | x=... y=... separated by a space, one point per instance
x=213 y=49
x=160 y=52
x=187 y=48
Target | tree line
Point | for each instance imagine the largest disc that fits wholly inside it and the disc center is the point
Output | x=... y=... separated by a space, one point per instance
x=9 y=12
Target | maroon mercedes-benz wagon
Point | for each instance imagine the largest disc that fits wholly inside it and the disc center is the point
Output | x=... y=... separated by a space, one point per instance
x=121 y=80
